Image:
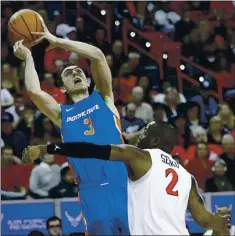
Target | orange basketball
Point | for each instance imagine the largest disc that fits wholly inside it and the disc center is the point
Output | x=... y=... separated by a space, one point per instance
x=21 y=24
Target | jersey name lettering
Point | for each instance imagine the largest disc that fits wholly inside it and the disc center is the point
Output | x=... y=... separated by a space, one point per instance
x=168 y=161
x=82 y=114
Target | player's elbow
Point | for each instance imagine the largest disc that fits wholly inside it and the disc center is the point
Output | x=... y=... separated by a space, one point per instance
x=98 y=54
x=33 y=93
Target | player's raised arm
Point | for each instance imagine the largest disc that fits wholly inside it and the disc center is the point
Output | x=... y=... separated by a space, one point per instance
x=99 y=67
x=202 y=216
x=45 y=103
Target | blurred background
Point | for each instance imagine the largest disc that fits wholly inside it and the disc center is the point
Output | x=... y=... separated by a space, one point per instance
x=170 y=61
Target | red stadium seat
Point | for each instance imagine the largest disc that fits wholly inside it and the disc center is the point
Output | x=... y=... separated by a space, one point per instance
x=9 y=179
x=23 y=173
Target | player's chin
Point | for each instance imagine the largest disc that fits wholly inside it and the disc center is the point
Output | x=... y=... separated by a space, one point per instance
x=80 y=87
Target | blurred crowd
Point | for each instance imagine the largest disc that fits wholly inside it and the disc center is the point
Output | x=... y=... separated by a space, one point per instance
x=206 y=127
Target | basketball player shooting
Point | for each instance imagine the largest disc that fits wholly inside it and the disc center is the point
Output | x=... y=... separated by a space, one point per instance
x=159 y=189
x=92 y=118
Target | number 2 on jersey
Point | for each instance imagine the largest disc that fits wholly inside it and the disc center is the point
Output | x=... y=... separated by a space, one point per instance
x=91 y=130
x=174 y=180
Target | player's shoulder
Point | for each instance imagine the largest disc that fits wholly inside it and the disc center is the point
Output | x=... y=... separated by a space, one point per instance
x=157 y=152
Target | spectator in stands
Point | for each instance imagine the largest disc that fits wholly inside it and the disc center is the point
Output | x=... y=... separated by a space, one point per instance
x=145 y=84
x=8 y=105
x=46 y=133
x=54 y=226
x=112 y=66
x=184 y=26
x=219 y=182
x=161 y=112
x=132 y=67
x=184 y=134
x=35 y=233
x=208 y=104
x=172 y=99
x=123 y=85
x=52 y=56
x=132 y=127
x=134 y=63
x=83 y=35
x=228 y=144
x=200 y=167
x=26 y=123
x=193 y=115
x=48 y=86
x=58 y=66
x=67 y=32
x=44 y=177
x=66 y=187
x=19 y=105
x=12 y=137
x=9 y=78
x=215 y=131
x=12 y=195
x=199 y=135
x=165 y=18
x=77 y=234
x=143 y=110
x=118 y=54
x=161 y=96
x=8 y=158
x=100 y=41
x=227 y=117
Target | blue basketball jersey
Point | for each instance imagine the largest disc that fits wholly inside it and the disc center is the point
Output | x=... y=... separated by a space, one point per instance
x=91 y=120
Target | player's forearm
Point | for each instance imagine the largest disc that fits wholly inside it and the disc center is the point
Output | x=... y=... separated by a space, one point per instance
x=209 y=221
x=82 y=49
x=31 y=77
x=78 y=150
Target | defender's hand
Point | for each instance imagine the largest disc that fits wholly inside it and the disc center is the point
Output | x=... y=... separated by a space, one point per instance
x=31 y=154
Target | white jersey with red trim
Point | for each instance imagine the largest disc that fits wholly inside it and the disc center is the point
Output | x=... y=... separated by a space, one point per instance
x=158 y=201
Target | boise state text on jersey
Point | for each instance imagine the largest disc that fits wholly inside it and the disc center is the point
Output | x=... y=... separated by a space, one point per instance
x=91 y=120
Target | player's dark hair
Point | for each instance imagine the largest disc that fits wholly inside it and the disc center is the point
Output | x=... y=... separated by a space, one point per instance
x=167 y=134
x=60 y=80
x=53 y=218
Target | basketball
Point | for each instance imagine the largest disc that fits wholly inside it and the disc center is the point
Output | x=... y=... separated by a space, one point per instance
x=21 y=24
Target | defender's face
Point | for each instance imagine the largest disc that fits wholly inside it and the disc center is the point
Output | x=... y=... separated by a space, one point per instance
x=146 y=140
x=74 y=79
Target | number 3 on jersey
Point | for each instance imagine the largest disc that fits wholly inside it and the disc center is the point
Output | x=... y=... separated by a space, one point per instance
x=174 y=180
x=91 y=130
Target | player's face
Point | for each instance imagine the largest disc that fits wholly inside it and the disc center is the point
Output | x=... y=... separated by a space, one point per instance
x=146 y=140
x=74 y=80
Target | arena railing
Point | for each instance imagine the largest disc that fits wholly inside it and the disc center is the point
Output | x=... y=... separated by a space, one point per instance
x=161 y=44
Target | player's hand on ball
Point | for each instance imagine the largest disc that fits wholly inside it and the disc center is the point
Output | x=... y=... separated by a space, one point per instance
x=30 y=154
x=45 y=35
x=20 y=50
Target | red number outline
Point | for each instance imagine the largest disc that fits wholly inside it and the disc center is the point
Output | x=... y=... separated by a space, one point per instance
x=174 y=180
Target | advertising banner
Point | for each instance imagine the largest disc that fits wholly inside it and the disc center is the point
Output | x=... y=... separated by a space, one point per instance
x=71 y=215
x=20 y=218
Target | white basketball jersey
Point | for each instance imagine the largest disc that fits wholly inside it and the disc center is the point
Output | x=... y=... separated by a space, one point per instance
x=158 y=201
